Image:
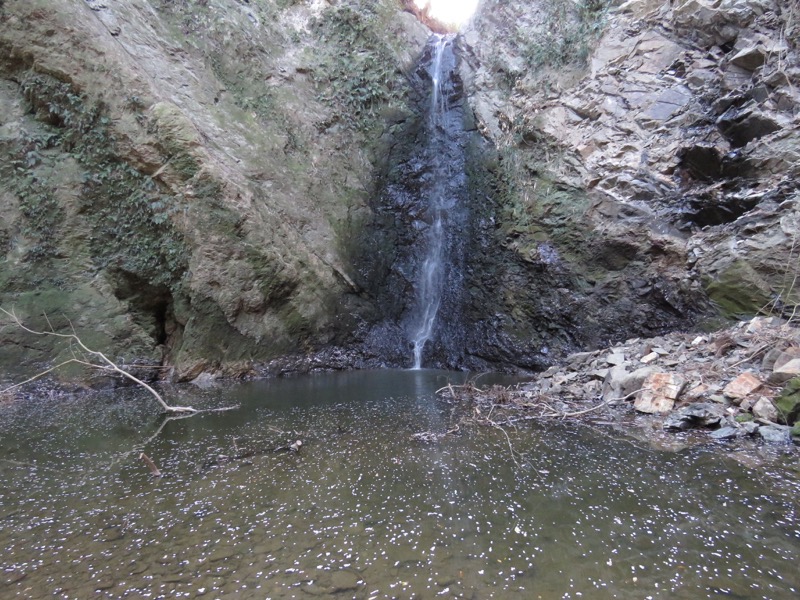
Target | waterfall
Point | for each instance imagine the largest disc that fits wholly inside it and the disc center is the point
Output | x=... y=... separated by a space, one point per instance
x=430 y=281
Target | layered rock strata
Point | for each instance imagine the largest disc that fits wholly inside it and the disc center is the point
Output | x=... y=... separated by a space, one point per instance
x=646 y=179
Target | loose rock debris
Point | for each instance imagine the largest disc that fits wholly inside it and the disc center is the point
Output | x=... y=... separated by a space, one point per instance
x=742 y=382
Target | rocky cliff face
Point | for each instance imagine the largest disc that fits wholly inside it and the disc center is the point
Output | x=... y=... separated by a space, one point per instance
x=219 y=185
x=646 y=173
x=183 y=181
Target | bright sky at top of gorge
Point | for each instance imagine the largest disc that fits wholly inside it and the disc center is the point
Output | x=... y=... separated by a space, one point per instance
x=452 y=12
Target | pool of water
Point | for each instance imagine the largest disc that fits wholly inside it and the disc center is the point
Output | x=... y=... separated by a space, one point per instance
x=364 y=510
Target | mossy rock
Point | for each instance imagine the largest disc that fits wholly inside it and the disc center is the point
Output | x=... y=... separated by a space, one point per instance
x=739 y=291
x=788 y=403
x=179 y=137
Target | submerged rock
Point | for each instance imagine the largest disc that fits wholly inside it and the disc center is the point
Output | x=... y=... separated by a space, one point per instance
x=702 y=414
x=726 y=433
x=775 y=434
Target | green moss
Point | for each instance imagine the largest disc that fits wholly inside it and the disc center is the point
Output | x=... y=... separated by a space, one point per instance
x=130 y=211
x=64 y=311
x=297 y=326
x=738 y=291
x=209 y=336
x=273 y=281
x=178 y=137
x=788 y=403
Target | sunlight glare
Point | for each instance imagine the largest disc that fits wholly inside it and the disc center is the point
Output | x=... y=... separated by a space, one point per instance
x=452 y=12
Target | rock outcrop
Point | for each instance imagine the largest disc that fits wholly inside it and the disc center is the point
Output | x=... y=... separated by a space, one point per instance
x=204 y=185
x=185 y=181
x=646 y=178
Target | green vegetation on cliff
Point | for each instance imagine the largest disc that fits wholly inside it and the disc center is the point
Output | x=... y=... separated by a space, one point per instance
x=130 y=211
x=366 y=77
x=568 y=34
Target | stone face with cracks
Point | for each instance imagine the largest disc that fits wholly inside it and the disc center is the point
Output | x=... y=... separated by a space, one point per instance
x=648 y=188
x=202 y=213
x=660 y=390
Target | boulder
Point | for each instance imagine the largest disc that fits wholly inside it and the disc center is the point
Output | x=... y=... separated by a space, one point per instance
x=770 y=358
x=742 y=386
x=648 y=358
x=750 y=427
x=702 y=414
x=775 y=434
x=697 y=390
x=785 y=355
x=788 y=370
x=765 y=409
x=619 y=383
x=788 y=403
x=660 y=390
x=612 y=384
x=726 y=433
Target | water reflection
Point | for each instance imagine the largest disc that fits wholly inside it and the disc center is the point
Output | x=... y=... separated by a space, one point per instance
x=365 y=512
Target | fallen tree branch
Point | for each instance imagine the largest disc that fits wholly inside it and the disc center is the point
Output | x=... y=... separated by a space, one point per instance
x=105 y=365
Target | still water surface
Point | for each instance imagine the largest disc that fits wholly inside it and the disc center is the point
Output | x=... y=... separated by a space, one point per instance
x=364 y=511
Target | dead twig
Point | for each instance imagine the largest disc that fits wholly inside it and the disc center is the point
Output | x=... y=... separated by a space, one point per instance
x=150 y=464
x=105 y=364
x=508 y=440
x=585 y=411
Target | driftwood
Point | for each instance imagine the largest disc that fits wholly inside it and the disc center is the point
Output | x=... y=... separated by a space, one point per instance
x=150 y=464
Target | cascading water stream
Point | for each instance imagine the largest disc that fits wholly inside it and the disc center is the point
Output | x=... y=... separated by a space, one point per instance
x=431 y=275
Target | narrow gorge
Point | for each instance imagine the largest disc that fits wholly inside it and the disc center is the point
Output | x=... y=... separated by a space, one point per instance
x=218 y=188
x=365 y=299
